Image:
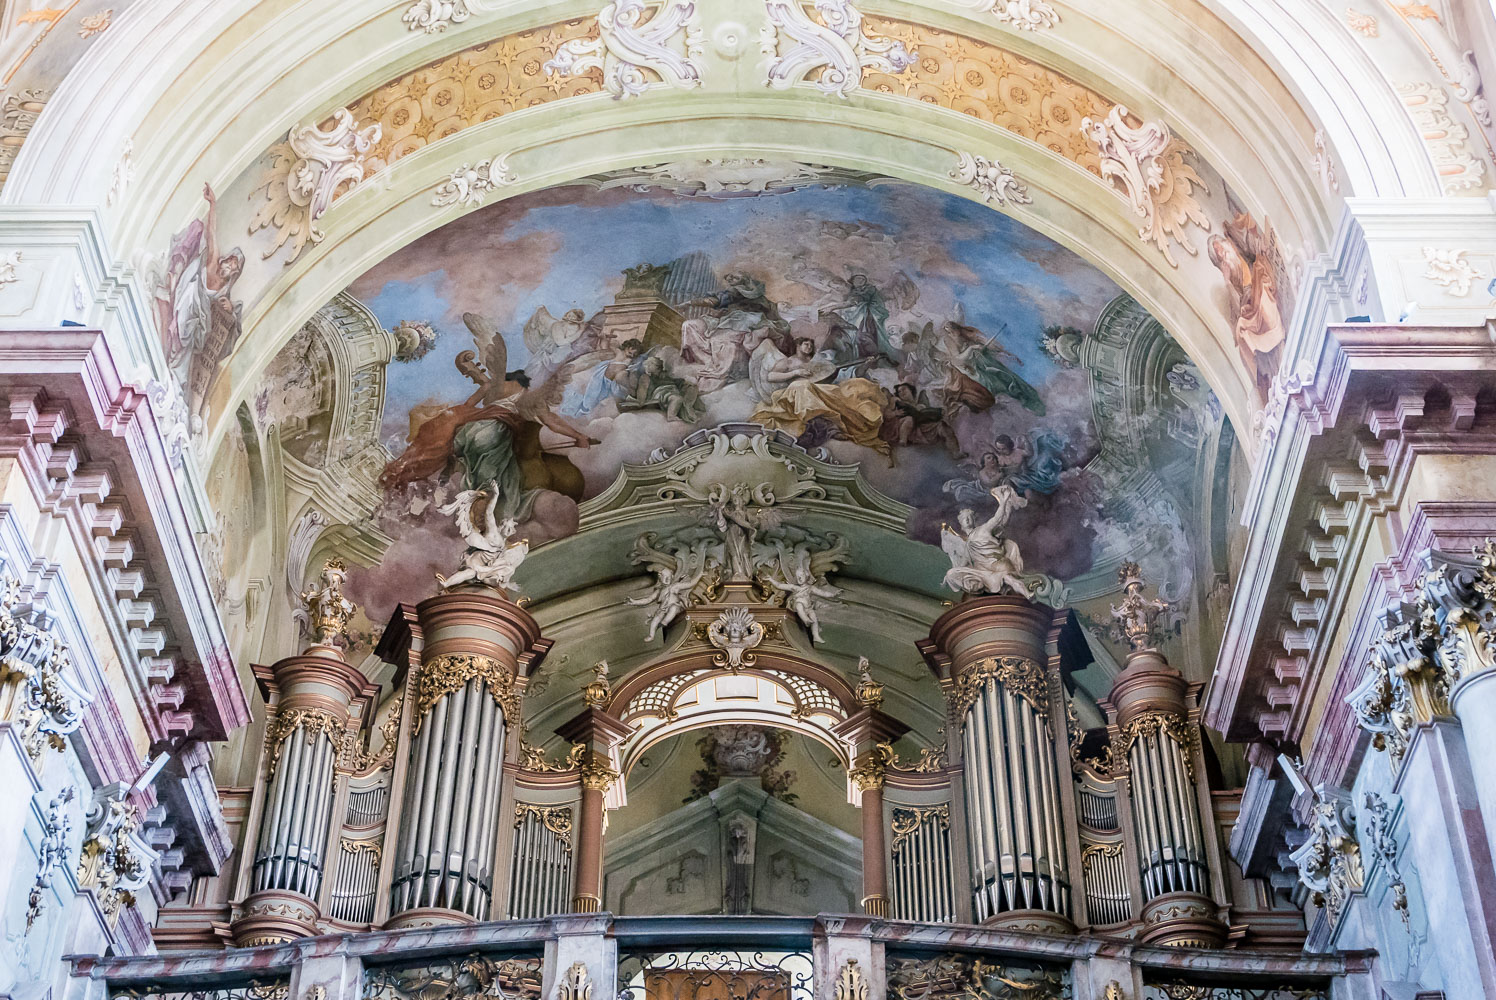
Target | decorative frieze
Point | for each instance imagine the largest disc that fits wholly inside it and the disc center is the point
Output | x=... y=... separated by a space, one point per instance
x=994 y=182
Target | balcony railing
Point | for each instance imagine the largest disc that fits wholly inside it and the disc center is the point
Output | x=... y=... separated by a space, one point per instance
x=703 y=958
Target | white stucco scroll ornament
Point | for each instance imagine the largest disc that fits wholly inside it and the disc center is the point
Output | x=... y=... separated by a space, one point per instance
x=437 y=15
x=629 y=42
x=1025 y=15
x=307 y=171
x=837 y=45
x=469 y=184
x=1147 y=163
x=1450 y=270
x=993 y=181
x=51 y=852
x=35 y=689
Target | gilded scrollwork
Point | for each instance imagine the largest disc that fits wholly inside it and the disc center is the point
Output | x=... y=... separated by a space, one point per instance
x=556 y=819
x=442 y=675
x=871 y=767
x=905 y=821
x=1018 y=675
x=533 y=758
x=1154 y=725
x=311 y=721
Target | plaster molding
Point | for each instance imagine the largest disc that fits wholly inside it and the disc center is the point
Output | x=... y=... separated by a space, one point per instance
x=630 y=49
x=1348 y=445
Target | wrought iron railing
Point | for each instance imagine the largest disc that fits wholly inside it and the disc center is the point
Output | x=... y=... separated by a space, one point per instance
x=476 y=975
x=254 y=989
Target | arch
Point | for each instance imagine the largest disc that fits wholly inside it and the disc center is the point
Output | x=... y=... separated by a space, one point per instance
x=1210 y=81
x=691 y=692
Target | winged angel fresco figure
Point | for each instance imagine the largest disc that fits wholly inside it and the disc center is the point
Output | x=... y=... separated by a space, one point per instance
x=491 y=558
x=983 y=561
x=494 y=437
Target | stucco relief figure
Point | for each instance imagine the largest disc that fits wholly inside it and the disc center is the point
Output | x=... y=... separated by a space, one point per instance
x=491 y=558
x=799 y=573
x=680 y=566
x=1244 y=257
x=200 y=320
x=983 y=561
x=494 y=437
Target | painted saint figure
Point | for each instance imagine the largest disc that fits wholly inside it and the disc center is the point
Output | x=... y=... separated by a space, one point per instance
x=1243 y=256
x=200 y=321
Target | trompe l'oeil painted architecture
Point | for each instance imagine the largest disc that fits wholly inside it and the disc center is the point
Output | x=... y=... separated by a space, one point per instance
x=747 y=500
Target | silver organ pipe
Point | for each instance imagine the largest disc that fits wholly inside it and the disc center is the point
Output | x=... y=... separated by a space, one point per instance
x=540 y=876
x=1170 y=841
x=445 y=858
x=298 y=807
x=1017 y=849
x=920 y=864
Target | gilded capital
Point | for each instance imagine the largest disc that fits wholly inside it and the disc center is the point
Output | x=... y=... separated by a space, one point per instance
x=597 y=775
x=870 y=768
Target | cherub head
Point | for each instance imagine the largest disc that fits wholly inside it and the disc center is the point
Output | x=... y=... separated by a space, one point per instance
x=805 y=347
x=632 y=348
x=967 y=519
x=654 y=365
x=574 y=316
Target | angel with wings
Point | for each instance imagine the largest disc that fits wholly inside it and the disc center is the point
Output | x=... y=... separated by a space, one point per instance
x=679 y=570
x=800 y=575
x=553 y=342
x=983 y=561
x=491 y=558
x=494 y=436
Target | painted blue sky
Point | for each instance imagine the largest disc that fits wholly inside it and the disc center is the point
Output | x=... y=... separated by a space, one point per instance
x=566 y=248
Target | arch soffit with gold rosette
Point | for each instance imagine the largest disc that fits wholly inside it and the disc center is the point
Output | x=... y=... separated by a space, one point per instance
x=1212 y=94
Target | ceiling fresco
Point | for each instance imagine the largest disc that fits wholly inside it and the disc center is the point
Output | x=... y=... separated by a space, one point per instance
x=542 y=342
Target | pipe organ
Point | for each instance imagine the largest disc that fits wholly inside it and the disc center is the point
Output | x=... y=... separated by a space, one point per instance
x=991 y=654
x=446 y=815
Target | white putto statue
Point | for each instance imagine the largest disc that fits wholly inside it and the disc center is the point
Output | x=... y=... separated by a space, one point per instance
x=491 y=559
x=983 y=561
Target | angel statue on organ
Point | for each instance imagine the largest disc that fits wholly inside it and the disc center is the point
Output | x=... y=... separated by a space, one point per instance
x=983 y=561
x=491 y=559
x=494 y=436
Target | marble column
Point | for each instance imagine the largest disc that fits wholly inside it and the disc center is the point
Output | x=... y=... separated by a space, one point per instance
x=463 y=702
x=870 y=732
x=316 y=704
x=1156 y=755
x=991 y=655
x=599 y=732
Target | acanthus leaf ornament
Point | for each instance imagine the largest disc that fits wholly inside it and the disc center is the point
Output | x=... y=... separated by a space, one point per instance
x=1450 y=270
x=442 y=675
x=437 y=15
x=555 y=819
x=993 y=181
x=1381 y=848
x=837 y=45
x=1018 y=675
x=1148 y=163
x=471 y=183
x=575 y=983
x=310 y=168
x=35 y=687
x=628 y=45
x=311 y=721
x=851 y=984
x=1025 y=15
x=115 y=859
x=1329 y=861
